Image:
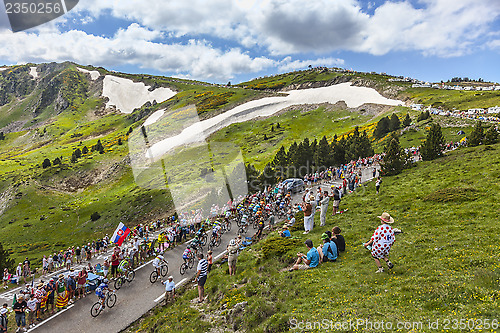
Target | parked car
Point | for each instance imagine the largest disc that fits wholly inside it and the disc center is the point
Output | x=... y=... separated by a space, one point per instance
x=295 y=185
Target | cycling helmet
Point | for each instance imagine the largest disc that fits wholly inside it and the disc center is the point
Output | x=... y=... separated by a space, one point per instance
x=189 y=246
x=105 y=281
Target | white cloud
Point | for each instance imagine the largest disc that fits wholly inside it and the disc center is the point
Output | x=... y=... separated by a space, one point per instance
x=436 y=27
x=288 y=65
x=131 y=46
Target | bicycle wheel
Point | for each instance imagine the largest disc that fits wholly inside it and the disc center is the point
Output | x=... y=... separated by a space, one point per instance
x=218 y=241
x=130 y=276
x=204 y=239
x=228 y=226
x=255 y=224
x=164 y=270
x=153 y=276
x=96 y=309
x=183 y=268
x=118 y=283
x=110 y=302
x=241 y=231
x=191 y=263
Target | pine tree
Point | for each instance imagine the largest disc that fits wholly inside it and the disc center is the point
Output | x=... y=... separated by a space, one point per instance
x=407 y=121
x=395 y=159
x=476 y=136
x=254 y=184
x=490 y=136
x=382 y=128
x=323 y=155
x=338 y=151
x=394 y=123
x=120 y=141
x=272 y=128
x=56 y=161
x=265 y=137
x=280 y=163
x=130 y=130
x=5 y=260
x=278 y=125
x=78 y=153
x=2 y=136
x=73 y=158
x=46 y=163
x=85 y=150
x=433 y=145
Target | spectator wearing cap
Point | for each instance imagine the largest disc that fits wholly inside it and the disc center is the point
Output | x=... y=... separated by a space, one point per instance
x=19 y=272
x=51 y=289
x=71 y=284
x=285 y=232
x=3 y=320
x=232 y=256
x=31 y=305
x=328 y=251
x=169 y=289
x=311 y=260
x=19 y=309
x=382 y=241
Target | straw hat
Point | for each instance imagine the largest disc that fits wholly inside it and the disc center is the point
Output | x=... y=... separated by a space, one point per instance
x=386 y=218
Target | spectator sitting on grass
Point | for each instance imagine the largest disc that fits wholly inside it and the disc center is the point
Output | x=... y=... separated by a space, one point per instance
x=338 y=239
x=309 y=261
x=285 y=232
x=327 y=252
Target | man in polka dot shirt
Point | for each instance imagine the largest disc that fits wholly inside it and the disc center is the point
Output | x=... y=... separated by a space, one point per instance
x=381 y=241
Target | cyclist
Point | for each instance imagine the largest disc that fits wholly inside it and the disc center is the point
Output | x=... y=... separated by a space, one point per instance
x=216 y=231
x=158 y=261
x=100 y=291
x=187 y=254
x=196 y=243
x=123 y=267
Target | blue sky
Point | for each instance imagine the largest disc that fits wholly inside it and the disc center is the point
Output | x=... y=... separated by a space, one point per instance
x=236 y=40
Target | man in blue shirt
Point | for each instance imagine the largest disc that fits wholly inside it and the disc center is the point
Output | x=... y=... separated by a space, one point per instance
x=327 y=252
x=309 y=261
x=169 y=289
x=285 y=232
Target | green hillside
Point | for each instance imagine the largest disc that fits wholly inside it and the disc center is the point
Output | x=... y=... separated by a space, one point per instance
x=62 y=113
x=446 y=262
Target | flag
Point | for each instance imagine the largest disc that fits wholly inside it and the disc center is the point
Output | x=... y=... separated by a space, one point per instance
x=120 y=234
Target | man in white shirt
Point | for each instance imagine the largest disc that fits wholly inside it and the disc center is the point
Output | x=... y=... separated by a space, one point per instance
x=169 y=289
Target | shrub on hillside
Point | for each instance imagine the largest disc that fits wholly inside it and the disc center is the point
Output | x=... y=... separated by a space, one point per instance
x=299 y=222
x=278 y=247
x=95 y=216
x=453 y=194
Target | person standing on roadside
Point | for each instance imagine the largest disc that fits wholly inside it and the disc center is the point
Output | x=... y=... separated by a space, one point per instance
x=3 y=320
x=324 y=207
x=201 y=276
x=20 y=308
x=232 y=256
x=169 y=289
x=307 y=208
x=377 y=184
